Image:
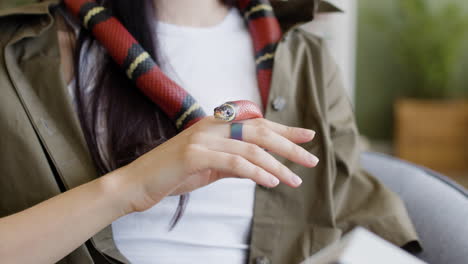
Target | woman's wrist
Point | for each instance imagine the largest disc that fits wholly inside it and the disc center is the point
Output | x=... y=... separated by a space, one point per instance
x=126 y=187
x=121 y=191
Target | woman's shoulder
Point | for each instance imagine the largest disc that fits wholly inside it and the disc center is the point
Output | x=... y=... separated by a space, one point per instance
x=305 y=49
x=298 y=35
x=302 y=59
x=25 y=20
x=32 y=8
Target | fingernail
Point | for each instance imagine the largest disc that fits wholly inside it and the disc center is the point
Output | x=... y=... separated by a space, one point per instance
x=307 y=132
x=311 y=132
x=313 y=160
x=274 y=181
x=296 y=180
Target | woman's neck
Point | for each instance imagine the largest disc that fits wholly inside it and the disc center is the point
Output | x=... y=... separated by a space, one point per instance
x=193 y=13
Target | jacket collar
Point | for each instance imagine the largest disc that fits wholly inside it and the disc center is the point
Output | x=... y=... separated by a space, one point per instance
x=302 y=11
x=31 y=9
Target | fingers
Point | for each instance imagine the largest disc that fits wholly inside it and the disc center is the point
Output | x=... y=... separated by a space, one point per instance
x=295 y=134
x=279 y=139
x=232 y=164
x=257 y=156
x=268 y=139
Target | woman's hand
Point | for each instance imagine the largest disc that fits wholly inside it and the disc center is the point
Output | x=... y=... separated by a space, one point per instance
x=204 y=153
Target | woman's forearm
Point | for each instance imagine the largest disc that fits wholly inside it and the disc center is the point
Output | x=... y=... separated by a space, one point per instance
x=52 y=229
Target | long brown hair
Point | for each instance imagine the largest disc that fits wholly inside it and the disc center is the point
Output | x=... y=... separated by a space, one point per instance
x=106 y=97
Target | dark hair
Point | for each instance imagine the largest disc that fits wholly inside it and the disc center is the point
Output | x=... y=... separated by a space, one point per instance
x=105 y=96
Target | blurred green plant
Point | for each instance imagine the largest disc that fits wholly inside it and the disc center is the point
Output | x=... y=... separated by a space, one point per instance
x=428 y=40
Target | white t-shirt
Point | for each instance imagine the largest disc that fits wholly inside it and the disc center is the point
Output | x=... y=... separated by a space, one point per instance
x=215 y=65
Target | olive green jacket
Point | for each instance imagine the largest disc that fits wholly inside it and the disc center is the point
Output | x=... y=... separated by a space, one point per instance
x=42 y=150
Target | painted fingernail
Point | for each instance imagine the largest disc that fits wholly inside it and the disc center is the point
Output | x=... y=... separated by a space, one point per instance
x=297 y=181
x=274 y=181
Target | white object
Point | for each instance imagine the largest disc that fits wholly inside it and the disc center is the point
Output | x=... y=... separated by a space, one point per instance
x=362 y=247
x=215 y=65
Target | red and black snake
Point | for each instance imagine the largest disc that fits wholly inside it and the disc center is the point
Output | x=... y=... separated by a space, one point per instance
x=177 y=103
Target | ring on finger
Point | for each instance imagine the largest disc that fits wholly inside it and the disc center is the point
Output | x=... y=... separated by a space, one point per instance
x=236 y=131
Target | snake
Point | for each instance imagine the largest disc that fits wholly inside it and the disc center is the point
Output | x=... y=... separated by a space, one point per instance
x=237 y=111
x=173 y=100
x=176 y=102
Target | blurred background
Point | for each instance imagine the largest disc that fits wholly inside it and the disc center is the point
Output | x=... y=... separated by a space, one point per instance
x=412 y=81
x=405 y=67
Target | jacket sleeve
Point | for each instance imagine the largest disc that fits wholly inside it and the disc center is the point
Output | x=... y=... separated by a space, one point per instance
x=359 y=198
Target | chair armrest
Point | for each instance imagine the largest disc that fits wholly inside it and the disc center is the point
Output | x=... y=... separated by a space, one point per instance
x=437 y=205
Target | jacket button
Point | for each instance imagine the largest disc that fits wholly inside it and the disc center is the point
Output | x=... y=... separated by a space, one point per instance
x=262 y=260
x=279 y=103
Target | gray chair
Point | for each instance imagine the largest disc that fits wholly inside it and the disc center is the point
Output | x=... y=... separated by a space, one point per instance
x=437 y=206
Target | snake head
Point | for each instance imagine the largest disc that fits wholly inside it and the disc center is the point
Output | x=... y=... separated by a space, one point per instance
x=226 y=112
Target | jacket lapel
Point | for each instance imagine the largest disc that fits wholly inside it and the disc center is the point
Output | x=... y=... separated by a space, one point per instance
x=34 y=68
